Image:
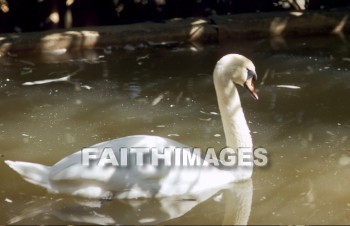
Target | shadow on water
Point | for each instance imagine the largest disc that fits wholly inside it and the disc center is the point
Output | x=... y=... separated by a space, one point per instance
x=301 y=119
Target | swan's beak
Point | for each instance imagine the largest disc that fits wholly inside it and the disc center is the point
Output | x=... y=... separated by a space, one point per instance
x=250 y=86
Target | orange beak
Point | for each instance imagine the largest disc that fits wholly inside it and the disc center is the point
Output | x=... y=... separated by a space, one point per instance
x=250 y=86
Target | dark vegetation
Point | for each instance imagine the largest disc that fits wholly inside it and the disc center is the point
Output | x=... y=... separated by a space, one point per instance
x=39 y=15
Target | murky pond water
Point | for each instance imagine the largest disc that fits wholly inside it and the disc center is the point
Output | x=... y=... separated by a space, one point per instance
x=302 y=119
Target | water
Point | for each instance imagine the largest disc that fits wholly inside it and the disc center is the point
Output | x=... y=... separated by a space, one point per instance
x=302 y=119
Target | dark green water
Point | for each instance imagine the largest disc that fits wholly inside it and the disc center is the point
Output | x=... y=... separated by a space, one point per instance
x=302 y=119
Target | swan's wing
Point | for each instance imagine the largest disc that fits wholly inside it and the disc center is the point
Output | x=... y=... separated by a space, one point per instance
x=69 y=174
x=131 y=181
x=72 y=167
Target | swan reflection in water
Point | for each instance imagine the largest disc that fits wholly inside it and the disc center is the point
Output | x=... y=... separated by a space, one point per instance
x=229 y=205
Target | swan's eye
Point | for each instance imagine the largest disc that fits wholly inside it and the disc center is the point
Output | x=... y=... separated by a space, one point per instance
x=252 y=74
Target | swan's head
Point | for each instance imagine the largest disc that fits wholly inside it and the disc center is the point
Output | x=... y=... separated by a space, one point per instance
x=241 y=71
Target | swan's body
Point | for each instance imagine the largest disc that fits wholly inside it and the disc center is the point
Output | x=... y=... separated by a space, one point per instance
x=69 y=176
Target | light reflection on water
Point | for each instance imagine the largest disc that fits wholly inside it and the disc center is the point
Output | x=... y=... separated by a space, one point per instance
x=170 y=93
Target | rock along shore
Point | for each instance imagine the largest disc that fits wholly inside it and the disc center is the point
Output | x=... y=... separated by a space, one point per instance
x=203 y=30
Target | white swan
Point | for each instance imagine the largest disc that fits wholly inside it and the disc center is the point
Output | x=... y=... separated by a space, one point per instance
x=70 y=176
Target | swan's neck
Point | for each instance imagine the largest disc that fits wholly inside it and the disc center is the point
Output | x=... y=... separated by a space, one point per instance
x=236 y=130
